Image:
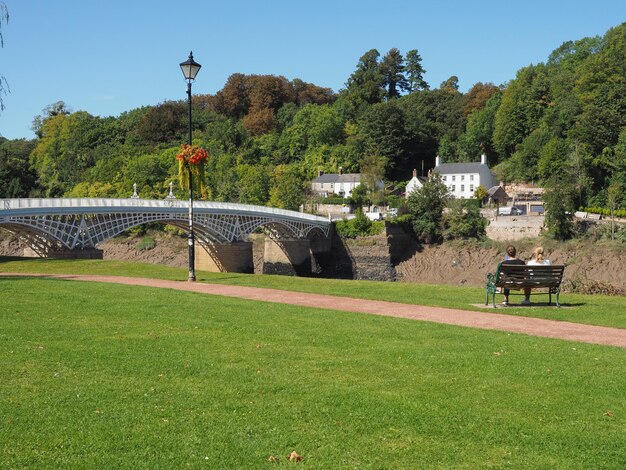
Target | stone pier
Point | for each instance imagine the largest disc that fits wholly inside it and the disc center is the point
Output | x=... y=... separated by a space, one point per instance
x=291 y=257
x=230 y=258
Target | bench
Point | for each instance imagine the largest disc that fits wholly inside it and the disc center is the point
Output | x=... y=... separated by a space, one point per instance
x=520 y=276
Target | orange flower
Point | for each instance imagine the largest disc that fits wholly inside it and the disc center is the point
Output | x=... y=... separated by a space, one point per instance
x=192 y=155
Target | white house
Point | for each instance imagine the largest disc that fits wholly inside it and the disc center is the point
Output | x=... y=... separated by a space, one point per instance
x=340 y=183
x=462 y=179
x=415 y=183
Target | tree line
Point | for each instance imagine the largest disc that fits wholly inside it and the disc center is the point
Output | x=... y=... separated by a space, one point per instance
x=561 y=124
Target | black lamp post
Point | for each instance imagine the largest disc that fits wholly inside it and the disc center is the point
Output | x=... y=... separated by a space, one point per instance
x=190 y=69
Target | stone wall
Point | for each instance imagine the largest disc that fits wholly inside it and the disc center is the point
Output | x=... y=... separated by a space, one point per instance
x=363 y=258
x=509 y=228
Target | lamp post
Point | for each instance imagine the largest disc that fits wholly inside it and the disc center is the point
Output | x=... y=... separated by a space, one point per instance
x=190 y=69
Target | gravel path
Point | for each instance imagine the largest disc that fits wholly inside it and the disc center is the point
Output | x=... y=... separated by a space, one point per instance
x=483 y=320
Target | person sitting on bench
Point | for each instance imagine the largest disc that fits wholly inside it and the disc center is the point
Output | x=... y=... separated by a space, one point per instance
x=537 y=258
x=511 y=258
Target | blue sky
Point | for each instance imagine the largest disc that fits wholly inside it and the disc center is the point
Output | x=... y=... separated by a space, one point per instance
x=107 y=57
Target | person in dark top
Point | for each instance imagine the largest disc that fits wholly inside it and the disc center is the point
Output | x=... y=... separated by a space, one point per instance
x=511 y=258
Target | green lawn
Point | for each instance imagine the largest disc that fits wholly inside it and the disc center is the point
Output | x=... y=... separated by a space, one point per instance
x=588 y=309
x=110 y=376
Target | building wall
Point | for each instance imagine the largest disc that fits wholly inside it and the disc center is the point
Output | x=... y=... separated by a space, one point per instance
x=413 y=185
x=462 y=185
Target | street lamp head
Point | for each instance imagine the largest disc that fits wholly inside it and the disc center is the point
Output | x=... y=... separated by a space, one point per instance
x=190 y=68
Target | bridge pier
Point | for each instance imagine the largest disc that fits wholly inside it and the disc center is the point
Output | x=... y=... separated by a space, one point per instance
x=228 y=257
x=290 y=257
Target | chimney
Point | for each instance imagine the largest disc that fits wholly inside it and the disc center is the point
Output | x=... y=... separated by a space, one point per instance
x=437 y=160
x=414 y=173
x=483 y=159
x=319 y=173
x=341 y=170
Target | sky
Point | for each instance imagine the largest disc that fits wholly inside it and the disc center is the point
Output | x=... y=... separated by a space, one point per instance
x=107 y=57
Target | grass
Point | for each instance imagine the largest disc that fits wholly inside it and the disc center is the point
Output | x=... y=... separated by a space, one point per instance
x=587 y=309
x=111 y=376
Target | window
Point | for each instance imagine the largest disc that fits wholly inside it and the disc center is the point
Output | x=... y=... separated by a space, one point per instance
x=471 y=177
x=453 y=177
x=462 y=177
x=452 y=187
x=462 y=188
x=444 y=177
x=471 y=187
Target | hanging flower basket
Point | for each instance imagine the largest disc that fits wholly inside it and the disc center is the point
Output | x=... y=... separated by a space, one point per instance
x=192 y=159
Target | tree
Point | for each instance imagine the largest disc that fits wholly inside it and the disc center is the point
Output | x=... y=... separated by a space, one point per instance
x=478 y=96
x=479 y=131
x=392 y=68
x=259 y=121
x=306 y=93
x=382 y=128
x=17 y=179
x=311 y=127
x=415 y=72
x=523 y=103
x=68 y=147
x=463 y=221
x=360 y=195
x=559 y=207
x=287 y=189
x=481 y=193
x=366 y=84
x=55 y=109
x=253 y=184
x=426 y=206
x=162 y=124
x=233 y=100
x=451 y=84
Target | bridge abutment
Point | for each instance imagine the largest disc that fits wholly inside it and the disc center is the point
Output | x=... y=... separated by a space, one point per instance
x=291 y=257
x=228 y=257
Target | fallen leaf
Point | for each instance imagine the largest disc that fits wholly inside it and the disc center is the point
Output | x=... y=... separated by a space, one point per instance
x=609 y=414
x=273 y=458
x=294 y=457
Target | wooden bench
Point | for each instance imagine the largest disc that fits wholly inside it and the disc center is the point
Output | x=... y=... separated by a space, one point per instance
x=520 y=276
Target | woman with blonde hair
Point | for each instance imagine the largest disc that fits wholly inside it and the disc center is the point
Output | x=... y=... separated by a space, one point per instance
x=537 y=257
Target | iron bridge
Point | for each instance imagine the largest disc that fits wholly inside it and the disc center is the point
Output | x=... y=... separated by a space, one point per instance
x=57 y=225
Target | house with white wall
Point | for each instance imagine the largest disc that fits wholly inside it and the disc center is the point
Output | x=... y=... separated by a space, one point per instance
x=341 y=184
x=462 y=179
x=414 y=184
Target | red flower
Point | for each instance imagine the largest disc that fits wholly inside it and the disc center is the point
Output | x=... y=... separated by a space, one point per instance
x=192 y=155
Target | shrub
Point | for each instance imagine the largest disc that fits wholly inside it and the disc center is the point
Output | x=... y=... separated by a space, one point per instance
x=359 y=226
x=463 y=221
x=405 y=221
x=146 y=243
x=620 y=213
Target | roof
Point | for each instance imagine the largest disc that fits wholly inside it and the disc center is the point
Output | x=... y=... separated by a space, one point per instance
x=491 y=191
x=337 y=178
x=471 y=167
